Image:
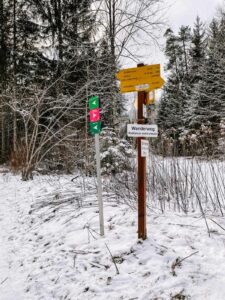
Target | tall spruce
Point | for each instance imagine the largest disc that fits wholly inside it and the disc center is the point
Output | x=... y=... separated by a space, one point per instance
x=209 y=110
x=209 y=107
x=197 y=59
x=176 y=88
x=65 y=33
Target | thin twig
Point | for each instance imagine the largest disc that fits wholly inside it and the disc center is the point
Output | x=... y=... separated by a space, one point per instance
x=188 y=256
x=217 y=224
x=4 y=280
x=74 y=260
x=178 y=262
x=117 y=270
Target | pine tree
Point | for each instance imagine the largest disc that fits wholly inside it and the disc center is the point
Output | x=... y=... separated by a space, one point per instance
x=3 y=44
x=176 y=90
x=168 y=101
x=198 y=49
x=66 y=30
x=197 y=59
x=184 y=38
x=3 y=75
x=208 y=96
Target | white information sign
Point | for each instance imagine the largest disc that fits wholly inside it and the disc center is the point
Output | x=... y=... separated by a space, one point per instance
x=139 y=130
x=142 y=87
x=144 y=148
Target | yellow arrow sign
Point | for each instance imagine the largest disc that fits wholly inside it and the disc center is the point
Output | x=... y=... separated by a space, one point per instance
x=140 y=73
x=132 y=87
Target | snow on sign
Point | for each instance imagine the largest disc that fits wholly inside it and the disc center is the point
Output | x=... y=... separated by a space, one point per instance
x=139 y=130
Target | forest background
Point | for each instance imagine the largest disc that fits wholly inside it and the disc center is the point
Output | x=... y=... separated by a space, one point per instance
x=55 y=54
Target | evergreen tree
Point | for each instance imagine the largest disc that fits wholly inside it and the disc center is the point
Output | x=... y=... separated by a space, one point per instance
x=169 y=98
x=3 y=43
x=4 y=51
x=208 y=98
x=210 y=93
x=176 y=89
x=66 y=31
x=198 y=49
x=184 y=38
x=197 y=59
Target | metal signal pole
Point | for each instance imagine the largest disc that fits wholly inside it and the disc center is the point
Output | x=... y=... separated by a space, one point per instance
x=100 y=202
x=95 y=129
x=142 y=231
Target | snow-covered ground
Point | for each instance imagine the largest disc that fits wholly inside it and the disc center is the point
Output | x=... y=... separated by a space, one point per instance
x=50 y=247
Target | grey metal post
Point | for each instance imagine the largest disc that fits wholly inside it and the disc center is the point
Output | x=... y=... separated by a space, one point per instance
x=100 y=202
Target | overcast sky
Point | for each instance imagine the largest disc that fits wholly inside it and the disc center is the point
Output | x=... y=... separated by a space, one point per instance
x=180 y=12
x=184 y=12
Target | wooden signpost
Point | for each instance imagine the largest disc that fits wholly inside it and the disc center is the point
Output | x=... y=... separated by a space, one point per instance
x=143 y=79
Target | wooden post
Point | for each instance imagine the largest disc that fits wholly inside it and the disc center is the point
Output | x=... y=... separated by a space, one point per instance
x=142 y=231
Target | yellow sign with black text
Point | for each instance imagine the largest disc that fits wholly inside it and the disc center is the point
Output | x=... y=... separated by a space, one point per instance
x=153 y=85
x=131 y=78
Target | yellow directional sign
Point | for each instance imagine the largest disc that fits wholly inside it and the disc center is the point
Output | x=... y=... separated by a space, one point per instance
x=133 y=77
x=140 y=73
x=153 y=85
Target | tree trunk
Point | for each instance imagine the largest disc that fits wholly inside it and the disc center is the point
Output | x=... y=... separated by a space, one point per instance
x=58 y=19
x=2 y=159
x=14 y=74
x=111 y=4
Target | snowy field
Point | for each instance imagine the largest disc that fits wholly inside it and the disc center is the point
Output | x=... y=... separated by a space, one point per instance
x=51 y=249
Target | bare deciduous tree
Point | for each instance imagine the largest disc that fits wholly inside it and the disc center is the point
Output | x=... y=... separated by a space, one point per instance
x=128 y=24
x=49 y=120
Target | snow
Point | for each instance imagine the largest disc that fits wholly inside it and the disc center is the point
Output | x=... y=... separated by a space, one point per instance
x=11 y=277
x=51 y=249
